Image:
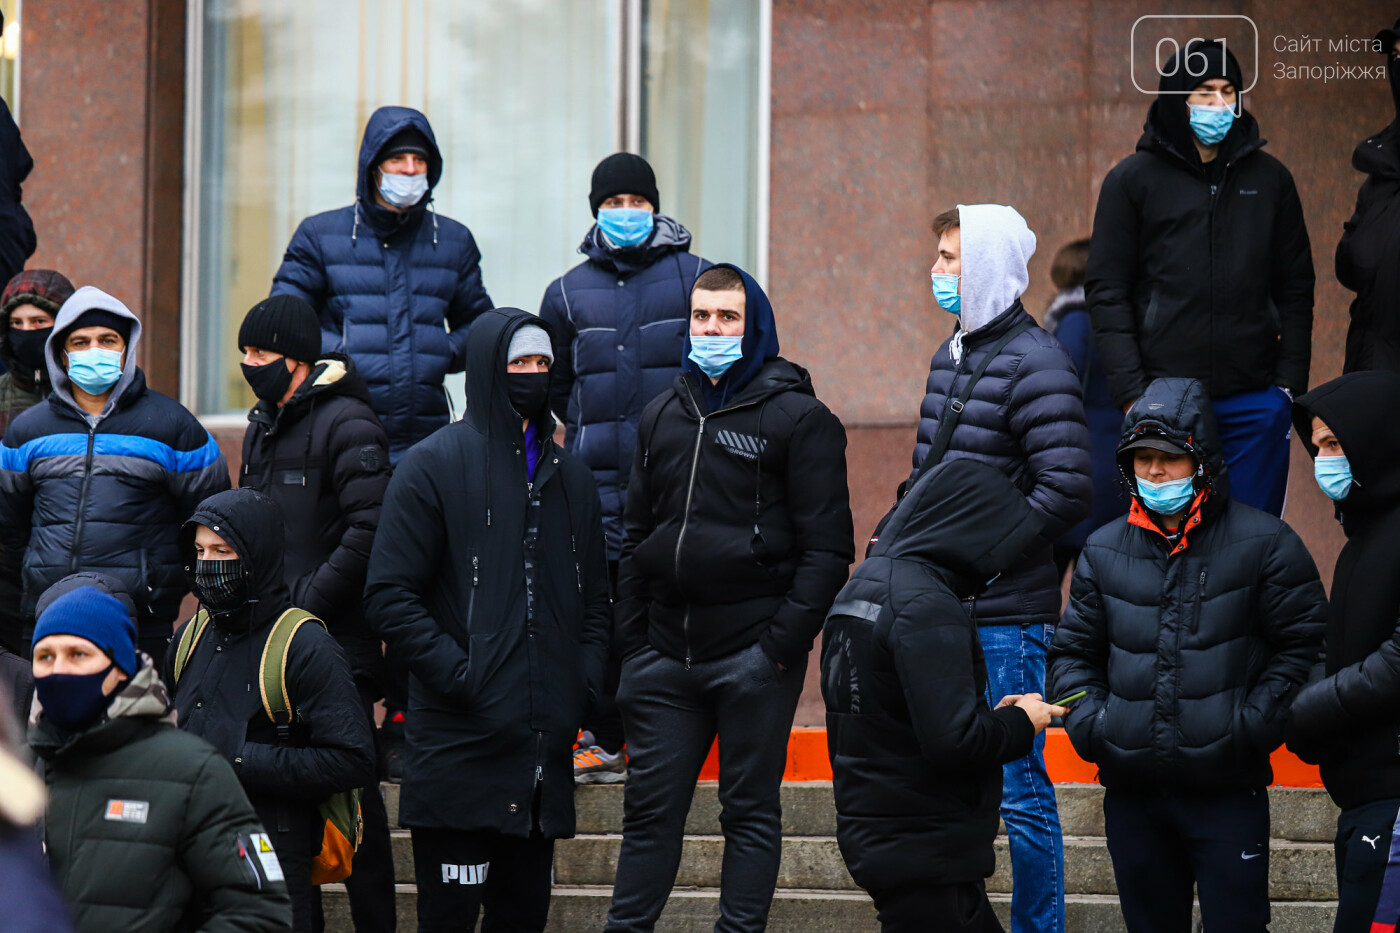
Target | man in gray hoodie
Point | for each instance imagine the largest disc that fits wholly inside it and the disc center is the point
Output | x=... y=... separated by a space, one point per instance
x=1003 y=391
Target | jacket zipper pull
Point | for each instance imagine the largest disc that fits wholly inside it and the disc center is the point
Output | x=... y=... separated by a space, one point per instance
x=476 y=570
x=687 y=662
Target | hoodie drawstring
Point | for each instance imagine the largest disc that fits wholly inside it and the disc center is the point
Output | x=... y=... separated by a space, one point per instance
x=433 y=210
x=355 y=226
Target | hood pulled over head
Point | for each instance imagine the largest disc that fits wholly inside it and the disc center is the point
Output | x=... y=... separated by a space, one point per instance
x=69 y=316
x=1169 y=116
x=1176 y=410
x=965 y=517
x=253 y=526
x=489 y=408
x=1359 y=408
x=760 y=343
x=383 y=125
x=997 y=245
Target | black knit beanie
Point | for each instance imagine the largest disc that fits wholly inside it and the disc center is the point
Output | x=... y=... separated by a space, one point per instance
x=409 y=139
x=98 y=317
x=283 y=324
x=623 y=173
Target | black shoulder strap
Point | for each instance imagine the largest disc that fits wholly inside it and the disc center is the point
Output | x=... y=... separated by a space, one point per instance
x=953 y=408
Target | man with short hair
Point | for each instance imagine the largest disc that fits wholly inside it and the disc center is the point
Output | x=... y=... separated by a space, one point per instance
x=1347 y=720
x=489 y=580
x=619 y=321
x=387 y=273
x=100 y=475
x=1004 y=392
x=315 y=447
x=1192 y=624
x=739 y=536
x=147 y=826
x=1200 y=267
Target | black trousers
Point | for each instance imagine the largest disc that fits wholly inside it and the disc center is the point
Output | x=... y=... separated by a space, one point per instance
x=1165 y=842
x=606 y=721
x=673 y=715
x=461 y=871
x=370 y=887
x=1364 y=838
x=947 y=908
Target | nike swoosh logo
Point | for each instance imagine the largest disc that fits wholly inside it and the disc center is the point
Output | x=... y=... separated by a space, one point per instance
x=1248 y=857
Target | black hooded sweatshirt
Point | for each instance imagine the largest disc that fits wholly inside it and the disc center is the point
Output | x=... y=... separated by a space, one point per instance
x=1200 y=272
x=323 y=457
x=1349 y=722
x=738 y=516
x=1191 y=646
x=218 y=696
x=493 y=590
x=916 y=752
x=1365 y=260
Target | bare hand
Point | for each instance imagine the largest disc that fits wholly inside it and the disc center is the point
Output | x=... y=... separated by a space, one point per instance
x=1034 y=706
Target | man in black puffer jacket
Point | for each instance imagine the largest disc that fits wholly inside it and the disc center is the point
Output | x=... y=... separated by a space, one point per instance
x=147 y=828
x=315 y=447
x=1200 y=266
x=1025 y=416
x=232 y=547
x=1192 y=623
x=100 y=475
x=489 y=582
x=916 y=752
x=1348 y=721
x=738 y=538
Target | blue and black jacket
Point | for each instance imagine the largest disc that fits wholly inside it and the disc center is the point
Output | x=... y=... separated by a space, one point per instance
x=105 y=492
x=384 y=284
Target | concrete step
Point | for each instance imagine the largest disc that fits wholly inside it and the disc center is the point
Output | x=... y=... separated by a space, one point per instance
x=576 y=909
x=1298 y=871
x=1297 y=813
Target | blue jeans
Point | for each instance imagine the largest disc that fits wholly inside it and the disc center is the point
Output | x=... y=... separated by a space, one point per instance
x=1255 y=428
x=1016 y=664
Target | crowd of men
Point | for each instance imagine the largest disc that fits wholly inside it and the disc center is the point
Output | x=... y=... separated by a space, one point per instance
x=536 y=614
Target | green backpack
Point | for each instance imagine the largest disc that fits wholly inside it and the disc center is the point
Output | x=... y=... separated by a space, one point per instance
x=344 y=819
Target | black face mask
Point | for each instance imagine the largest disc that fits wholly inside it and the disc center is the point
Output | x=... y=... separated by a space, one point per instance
x=529 y=394
x=269 y=381
x=28 y=347
x=220 y=584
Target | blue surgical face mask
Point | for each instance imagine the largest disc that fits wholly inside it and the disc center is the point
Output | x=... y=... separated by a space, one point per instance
x=626 y=226
x=1210 y=124
x=714 y=355
x=1334 y=476
x=73 y=701
x=95 y=370
x=945 y=292
x=1167 y=498
x=403 y=191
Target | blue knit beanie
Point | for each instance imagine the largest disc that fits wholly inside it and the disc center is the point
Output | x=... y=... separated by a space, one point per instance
x=90 y=613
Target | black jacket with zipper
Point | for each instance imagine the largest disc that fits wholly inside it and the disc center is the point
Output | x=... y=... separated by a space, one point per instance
x=916 y=753
x=493 y=590
x=218 y=694
x=323 y=457
x=1365 y=260
x=1349 y=720
x=1191 y=647
x=1200 y=278
x=738 y=519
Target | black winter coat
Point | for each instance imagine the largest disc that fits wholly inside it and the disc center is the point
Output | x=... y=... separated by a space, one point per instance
x=1349 y=721
x=1366 y=256
x=1026 y=418
x=218 y=698
x=147 y=829
x=1191 y=648
x=916 y=752
x=1189 y=276
x=384 y=285
x=323 y=458
x=738 y=519
x=106 y=493
x=619 y=322
x=17 y=240
x=493 y=590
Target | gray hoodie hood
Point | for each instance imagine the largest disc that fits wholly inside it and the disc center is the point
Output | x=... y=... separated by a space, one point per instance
x=86 y=299
x=996 y=246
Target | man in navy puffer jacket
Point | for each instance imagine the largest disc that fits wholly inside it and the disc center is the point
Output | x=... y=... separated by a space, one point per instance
x=1025 y=417
x=619 y=321
x=385 y=274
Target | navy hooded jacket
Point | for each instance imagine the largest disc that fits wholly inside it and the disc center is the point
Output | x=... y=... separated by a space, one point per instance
x=105 y=492
x=384 y=284
x=619 y=323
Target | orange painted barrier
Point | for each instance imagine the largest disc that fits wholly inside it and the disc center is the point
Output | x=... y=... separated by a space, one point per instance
x=807 y=761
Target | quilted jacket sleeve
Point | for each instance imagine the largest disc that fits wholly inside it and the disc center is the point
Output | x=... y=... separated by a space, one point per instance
x=1046 y=415
x=1078 y=657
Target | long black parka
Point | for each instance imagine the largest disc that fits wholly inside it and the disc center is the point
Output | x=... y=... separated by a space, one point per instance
x=493 y=590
